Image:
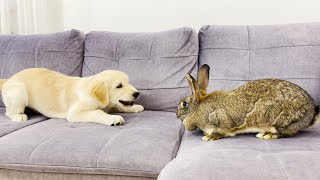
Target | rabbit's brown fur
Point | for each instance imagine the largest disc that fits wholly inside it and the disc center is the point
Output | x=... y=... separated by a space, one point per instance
x=271 y=107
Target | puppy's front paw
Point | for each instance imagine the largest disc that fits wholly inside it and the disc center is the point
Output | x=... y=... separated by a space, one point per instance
x=18 y=117
x=137 y=108
x=115 y=120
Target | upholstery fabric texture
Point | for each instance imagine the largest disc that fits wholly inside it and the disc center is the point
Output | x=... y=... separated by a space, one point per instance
x=246 y=157
x=140 y=147
x=237 y=54
x=7 y=174
x=7 y=126
x=61 y=52
x=155 y=62
x=150 y=142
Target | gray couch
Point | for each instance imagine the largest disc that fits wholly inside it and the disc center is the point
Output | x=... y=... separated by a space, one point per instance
x=154 y=142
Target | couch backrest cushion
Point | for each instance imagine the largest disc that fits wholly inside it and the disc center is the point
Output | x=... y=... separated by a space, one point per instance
x=237 y=54
x=156 y=63
x=62 y=52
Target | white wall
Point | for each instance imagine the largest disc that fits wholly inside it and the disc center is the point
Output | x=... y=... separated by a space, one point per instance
x=156 y=15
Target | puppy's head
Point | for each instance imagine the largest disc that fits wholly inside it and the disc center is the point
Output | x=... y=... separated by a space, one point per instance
x=121 y=93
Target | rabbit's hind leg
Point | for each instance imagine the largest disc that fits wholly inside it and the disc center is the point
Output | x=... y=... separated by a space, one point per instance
x=213 y=136
x=293 y=127
x=267 y=135
x=283 y=132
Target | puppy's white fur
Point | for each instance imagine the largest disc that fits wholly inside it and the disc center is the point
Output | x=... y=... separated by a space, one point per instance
x=76 y=99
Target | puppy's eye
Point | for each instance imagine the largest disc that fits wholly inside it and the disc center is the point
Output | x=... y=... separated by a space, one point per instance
x=184 y=104
x=119 y=86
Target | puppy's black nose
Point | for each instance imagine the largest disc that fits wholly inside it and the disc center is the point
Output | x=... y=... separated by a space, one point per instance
x=136 y=95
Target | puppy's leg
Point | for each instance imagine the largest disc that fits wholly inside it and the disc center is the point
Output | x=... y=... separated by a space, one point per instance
x=95 y=116
x=15 y=99
x=136 y=108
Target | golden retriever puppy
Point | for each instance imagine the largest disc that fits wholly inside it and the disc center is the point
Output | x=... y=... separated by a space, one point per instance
x=77 y=99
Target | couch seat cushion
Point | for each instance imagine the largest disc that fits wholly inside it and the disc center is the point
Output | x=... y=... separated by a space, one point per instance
x=7 y=126
x=246 y=157
x=141 y=147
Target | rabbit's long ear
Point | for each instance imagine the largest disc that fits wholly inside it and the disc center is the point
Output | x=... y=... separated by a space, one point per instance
x=194 y=87
x=203 y=77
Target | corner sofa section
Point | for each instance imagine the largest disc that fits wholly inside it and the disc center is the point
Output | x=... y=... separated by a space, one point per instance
x=237 y=54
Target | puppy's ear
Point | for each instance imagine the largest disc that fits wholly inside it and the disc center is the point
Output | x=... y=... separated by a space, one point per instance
x=203 y=77
x=194 y=87
x=100 y=92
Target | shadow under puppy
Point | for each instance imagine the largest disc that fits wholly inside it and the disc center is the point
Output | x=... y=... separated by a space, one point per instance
x=272 y=108
x=77 y=99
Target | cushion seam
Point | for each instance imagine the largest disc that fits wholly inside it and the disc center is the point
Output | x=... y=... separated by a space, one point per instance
x=116 y=56
x=86 y=65
x=78 y=67
x=154 y=36
x=34 y=149
x=17 y=52
x=116 y=135
x=150 y=128
x=276 y=158
x=178 y=143
x=262 y=48
x=63 y=166
x=249 y=51
x=138 y=59
x=25 y=127
x=36 y=53
x=6 y=55
x=224 y=79
x=214 y=150
x=53 y=173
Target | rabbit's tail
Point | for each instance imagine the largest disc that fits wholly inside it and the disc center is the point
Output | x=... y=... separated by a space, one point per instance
x=316 y=117
x=2 y=81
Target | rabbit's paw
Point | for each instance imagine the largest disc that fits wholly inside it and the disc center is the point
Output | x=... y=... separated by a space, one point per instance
x=267 y=135
x=211 y=137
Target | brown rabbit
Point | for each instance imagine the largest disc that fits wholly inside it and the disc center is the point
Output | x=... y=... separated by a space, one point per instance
x=272 y=108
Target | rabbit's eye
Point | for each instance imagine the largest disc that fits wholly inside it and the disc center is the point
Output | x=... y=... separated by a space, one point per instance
x=184 y=104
